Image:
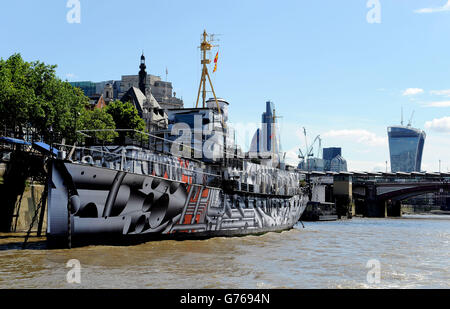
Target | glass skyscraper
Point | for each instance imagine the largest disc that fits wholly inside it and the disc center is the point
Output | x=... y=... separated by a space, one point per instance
x=406 y=148
x=333 y=160
x=267 y=126
x=264 y=138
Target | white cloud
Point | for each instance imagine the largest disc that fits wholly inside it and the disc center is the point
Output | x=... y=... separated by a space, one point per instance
x=412 y=91
x=359 y=136
x=441 y=92
x=70 y=75
x=444 y=8
x=439 y=124
x=438 y=104
x=437 y=148
x=292 y=157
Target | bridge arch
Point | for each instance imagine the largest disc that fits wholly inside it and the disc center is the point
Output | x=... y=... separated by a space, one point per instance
x=405 y=193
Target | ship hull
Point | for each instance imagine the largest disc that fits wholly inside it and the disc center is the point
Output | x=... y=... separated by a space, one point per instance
x=90 y=205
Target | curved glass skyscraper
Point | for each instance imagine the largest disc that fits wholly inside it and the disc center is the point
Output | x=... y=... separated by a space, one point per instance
x=406 y=148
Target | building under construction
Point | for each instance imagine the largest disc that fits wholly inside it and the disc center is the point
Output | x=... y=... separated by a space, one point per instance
x=326 y=160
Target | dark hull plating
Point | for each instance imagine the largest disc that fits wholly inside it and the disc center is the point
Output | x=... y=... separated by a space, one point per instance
x=98 y=205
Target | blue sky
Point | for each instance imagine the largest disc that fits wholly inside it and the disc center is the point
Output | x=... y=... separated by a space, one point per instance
x=321 y=62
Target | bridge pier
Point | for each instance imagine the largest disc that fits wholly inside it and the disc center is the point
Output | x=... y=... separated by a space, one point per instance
x=394 y=209
x=376 y=209
x=344 y=206
x=343 y=197
x=360 y=207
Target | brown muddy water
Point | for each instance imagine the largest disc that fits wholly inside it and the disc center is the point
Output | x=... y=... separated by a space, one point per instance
x=413 y=252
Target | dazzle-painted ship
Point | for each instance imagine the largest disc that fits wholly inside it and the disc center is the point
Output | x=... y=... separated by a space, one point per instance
x=189 y=180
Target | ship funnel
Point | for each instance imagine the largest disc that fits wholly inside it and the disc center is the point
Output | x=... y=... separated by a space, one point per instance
x=223 y=105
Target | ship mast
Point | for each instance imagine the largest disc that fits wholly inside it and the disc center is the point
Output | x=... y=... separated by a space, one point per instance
x=204 y=47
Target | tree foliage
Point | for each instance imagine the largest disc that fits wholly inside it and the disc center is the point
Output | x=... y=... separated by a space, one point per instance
x=98 y=119
x=126 y=117
x=31 y=96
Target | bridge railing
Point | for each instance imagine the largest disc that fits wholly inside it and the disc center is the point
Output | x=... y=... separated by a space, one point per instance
x=402 y=180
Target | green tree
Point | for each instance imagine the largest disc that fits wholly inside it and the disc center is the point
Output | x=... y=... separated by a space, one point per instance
x=31 y=96
x=98 y=119
x=16 y=98
x=126 y=116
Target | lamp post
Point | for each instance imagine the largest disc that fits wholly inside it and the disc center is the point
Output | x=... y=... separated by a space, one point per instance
x=77 y=114
x=51 y=140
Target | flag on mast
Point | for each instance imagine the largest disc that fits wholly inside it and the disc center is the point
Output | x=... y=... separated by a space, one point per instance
x=215 y=62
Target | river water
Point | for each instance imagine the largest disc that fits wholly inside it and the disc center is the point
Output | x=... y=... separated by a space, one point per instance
x=411 y=252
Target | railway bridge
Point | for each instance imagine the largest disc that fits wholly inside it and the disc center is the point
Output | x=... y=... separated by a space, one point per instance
x=379 y=194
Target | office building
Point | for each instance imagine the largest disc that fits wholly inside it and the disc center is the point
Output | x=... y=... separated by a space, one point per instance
x=406 y=148
x=161 y=90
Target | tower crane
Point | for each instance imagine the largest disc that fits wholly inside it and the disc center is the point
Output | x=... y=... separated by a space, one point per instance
x=309 y=152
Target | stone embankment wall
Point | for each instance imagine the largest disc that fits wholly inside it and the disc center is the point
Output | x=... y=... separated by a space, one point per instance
x=29 y=202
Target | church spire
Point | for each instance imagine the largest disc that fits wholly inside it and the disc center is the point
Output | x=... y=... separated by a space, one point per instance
x=142 y=74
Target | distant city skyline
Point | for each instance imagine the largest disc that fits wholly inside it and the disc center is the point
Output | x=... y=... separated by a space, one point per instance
x=332 y=68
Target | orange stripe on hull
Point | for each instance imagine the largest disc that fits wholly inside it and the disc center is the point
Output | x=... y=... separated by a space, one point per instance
x=185 y=179
x=187 y=219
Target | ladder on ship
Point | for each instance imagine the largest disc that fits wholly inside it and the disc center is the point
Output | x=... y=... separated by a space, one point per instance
x=16 y=212
x=40 y=207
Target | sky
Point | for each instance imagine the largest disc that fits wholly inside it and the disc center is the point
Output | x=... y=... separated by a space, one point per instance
x=343 y=70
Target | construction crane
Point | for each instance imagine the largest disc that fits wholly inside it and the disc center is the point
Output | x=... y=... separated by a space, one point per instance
x=309 y=150
x=306 y=155
x=319 y=150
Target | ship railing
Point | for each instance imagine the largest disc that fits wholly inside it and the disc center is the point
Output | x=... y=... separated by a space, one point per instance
x=136 y=164
x=156 y=143
x=193 y=174
x=164 y=145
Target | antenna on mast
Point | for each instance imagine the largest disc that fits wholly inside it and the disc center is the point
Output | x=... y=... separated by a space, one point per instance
x=410 y=120
x=205 y=46
x=402 y=116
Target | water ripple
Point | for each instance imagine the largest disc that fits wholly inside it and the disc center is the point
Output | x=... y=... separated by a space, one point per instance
x=413 y=253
